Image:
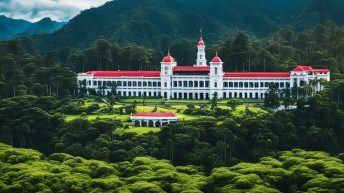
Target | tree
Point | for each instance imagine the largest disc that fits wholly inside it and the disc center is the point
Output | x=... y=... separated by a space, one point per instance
x=271 y=96
x=233 y=103
x=214 y=101
x=241 y=50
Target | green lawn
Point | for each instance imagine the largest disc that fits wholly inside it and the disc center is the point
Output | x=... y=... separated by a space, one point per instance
x=140 y=100
x=122 y=118
x=137 y=130
x=240 y=110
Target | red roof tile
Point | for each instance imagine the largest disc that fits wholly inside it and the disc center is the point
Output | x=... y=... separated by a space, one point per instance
x=302 y=68
x=192 y=68
x=321 y=70
x=257 y=74
x=155 y=114
x=125 y=73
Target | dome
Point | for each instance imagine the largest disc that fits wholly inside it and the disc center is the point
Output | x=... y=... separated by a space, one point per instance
x=216 y=59
x=168 y=59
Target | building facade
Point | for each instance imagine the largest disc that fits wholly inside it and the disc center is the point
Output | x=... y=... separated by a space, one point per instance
x=156 y=119
x=200 y=81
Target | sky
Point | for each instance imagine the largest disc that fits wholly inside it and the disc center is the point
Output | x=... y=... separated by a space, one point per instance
x=34 y=10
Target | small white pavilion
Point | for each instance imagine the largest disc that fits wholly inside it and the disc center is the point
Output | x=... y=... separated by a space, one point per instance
x=155 y=119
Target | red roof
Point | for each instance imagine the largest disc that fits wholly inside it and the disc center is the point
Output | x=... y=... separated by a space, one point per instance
x=257 y=74
x=201 y=42
x=216 y=59
x=125 y=73
x=168 y=59
x=302 y=68
x=191 y=69
x=321 y=70
x=155 y=114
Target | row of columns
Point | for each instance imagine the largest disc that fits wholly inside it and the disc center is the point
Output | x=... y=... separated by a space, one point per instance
x=151 y=123
x=190 y=84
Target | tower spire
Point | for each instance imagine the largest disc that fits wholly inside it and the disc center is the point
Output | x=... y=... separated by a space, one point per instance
x=201 y=60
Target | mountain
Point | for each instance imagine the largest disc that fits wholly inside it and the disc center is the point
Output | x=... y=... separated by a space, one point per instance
x=149 y=22
x=11 y=28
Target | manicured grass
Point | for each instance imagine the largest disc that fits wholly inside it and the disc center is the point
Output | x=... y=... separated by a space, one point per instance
x=122 y=118
x=187 y=101
x=137 y=130
x=183 y=117
x=240 y=110
x=140 y=100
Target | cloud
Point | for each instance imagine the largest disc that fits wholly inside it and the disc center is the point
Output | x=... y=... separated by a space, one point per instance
x=34 y=10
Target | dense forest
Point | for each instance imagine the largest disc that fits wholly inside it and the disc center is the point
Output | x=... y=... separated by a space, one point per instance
x=274 y=151
x=25 y=170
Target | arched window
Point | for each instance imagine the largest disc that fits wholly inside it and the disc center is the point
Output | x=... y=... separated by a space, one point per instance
x=215 y=70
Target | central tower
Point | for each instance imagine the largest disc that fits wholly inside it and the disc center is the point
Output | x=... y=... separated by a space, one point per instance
x=201 y=60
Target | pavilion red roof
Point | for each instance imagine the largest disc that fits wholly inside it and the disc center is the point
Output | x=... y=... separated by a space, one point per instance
x=257 y=74
x=125 y=73
x=191 y=69
x=155 y=114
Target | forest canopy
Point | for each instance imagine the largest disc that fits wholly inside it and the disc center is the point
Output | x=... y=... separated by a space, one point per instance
x=25 y=170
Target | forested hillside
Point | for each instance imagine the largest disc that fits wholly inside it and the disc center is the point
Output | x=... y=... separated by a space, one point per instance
x=57 y=137
x=14 y=28
x=25 y=170
x=152 y=22
x=24 y=71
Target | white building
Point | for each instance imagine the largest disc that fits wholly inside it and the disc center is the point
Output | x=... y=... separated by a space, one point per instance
x=156 y=119
x=200 y=81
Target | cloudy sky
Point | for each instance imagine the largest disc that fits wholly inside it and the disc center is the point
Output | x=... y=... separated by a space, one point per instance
x=34 y=10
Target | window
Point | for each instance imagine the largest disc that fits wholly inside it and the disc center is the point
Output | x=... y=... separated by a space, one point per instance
x=135 y=84
x=175 y=84
x=140 y=83
x=282 y=84
x=95 y=83
x=180 y=83
x=215 y=84
x=226 y=84
x=129 y=83
x=124 y=83
x=201 y=84
x=235 y=85
x=246 y=84
x=241 y=84
x=154 y=84
x=159 y=84
x=165 y=84
x=144 y=83
x=215 y=70
x=230 y=84
x=166 y=69
x=206 y=83
x=190 y=84
x=251 y=84
x=149 y=84
x=196 y=84
x=185 y=83
x=256 y=85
